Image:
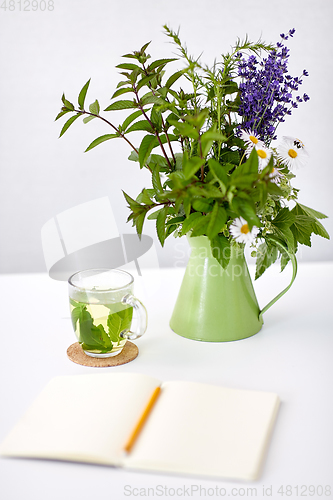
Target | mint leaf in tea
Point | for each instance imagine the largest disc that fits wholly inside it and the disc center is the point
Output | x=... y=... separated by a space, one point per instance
x=98 y=327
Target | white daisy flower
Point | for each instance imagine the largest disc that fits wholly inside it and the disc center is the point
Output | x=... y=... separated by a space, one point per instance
x=292 y=152
x=250 y=138
x=276 y=175
x=264 y=155
x=240 y=231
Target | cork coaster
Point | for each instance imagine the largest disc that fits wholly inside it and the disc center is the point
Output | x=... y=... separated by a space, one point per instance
x=77 y=355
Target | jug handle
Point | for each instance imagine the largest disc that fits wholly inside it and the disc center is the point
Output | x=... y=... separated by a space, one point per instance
x=292 y=257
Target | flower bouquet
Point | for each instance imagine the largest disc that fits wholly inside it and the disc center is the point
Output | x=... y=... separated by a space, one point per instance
x=206 y=137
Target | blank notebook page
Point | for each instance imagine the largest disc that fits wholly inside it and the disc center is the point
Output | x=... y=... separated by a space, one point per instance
x=82 y=417
x=204 y=429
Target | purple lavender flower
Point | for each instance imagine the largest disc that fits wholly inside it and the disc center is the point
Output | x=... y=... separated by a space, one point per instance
x=266 y=91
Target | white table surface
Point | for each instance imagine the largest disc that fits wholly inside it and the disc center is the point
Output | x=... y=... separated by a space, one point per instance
x=291 y=355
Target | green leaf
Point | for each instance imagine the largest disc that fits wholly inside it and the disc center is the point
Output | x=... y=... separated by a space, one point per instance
x=274 y=189
x=75 y=303
x=158 y=160
x=146 y=146
x=139 y=220
x=219 y=173
x=249 y=167
x=144 y=81
x=208 y=138
x=285 y=234
x=302 y=229
x=284 y=260
x=87 y=119
x=177 y=180
x=198 y=119
x=176 y=220
x=191 y=166
x=244 y=206
x=126 y=316
x=311 y=212
x=92 y=337
x=179 y=161
x=189 y=222
x=170 y=229
x=230 y=87
x=143 y=48
x=122 y=91
x=221 y=250
x=127 y=66
x=284 y=218
x=121 y=84
x=244 y=181
x=201 y=226
x=156 y=118
x=77 y=311
x=101 y=139
x=140 y=125
x=229 y=156
x=67 y=104
x=160 y=224
x=114 y=327
x=156 y=180
x=151 y=99
x=164 y=139
x=118 y=105
x=133 y=156
x=185 y=129
x=201 y=205
x=159 y=62
x=266 y=256
x=148 y=143
x=262 y=193
x=94 y=108
x=187 y=206
x=153 y=216
x=69 y=123
x=62 y=113
x=218 y=218
x=133 y=205
x=130 y=56
x=210 y=191
x=144 y=196
x=95 y=338
x=130 y=119
x=82 y=94
x=173 y=78
x=319 y=229
x=306 y=224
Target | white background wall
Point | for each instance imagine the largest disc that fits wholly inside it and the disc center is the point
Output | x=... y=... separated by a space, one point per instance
x=45 y=53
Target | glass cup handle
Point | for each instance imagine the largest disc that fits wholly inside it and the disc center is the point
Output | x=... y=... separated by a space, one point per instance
x=141 y=317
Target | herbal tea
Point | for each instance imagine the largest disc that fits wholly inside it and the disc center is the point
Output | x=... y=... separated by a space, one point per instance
x=98 y=327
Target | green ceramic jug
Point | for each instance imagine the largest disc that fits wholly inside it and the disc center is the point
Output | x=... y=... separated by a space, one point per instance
x=216 y=304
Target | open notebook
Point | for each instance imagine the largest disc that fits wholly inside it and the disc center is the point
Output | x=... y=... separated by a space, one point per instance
x=192 y=428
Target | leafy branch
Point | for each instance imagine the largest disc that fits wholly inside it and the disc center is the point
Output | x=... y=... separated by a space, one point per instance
x=214 y=179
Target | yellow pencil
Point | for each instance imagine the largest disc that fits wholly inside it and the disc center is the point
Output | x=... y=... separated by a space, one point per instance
x=142 y=420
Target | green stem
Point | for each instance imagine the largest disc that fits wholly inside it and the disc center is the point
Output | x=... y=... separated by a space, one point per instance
x=201 y=156
x=115 y=128
x=152 y=126
x=109 y=123
x=163 y=123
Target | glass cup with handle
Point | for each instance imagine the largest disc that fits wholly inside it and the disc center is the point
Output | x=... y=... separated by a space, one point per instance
x=104 y=311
